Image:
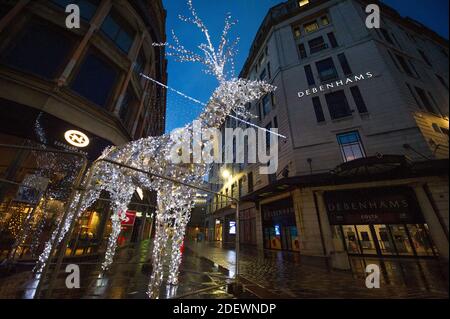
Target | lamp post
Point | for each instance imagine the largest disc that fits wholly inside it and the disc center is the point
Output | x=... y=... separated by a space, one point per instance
x=227 y=176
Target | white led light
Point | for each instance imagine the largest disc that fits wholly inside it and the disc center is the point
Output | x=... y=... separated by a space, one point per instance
x=140 y=192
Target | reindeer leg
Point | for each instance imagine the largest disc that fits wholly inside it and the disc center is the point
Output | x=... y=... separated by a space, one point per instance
x=159 y=246
x=121 y=201
x=74 y=211
x=177 y=241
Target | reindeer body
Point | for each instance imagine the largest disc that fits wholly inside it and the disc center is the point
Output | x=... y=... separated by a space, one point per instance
x=156 y=155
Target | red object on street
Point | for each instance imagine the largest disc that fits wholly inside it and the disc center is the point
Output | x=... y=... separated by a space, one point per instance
x=182 y=247
x=129 y=219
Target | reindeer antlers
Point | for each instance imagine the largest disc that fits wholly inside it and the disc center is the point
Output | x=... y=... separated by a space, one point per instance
x=214 y=60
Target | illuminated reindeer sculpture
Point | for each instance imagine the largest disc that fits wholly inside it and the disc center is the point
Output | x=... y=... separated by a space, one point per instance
x=160 y=155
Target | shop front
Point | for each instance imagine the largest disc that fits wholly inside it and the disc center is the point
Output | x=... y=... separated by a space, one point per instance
x=247 y=226
x=218 y=230
x=279 y=226
x=35 y=186
x=379 y=222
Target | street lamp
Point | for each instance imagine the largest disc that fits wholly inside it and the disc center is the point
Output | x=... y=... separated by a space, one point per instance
x=226 y=174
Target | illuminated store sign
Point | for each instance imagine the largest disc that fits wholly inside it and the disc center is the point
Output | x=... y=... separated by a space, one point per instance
x=76 y=138
x=232 y=228
x=335 y=84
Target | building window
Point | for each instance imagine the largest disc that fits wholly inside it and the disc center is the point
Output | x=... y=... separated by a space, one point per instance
x=436 y=128
x=317 y=45
x=413 y=95
x=386 y=36
x=309 y=75
x=266 y=104
x=259 y=111
x=404 y=65
x=40 y=50
x=351 y=146
x=261 y=60
x=302 y=51
x=263 y=75
x=311 y=27
x=344 y=64
x=250 y=182
x=95 y=80
x=332 y=40
x=126 y=108
x=425 y=101
x=324 y=20
x=436 y=106
x=302 y=3
x=441 y=79
x=414 y=69
x=87 y=7
x=445 y=131
x=118 y=32
x=394 y=61
x=338 y=105
x=327 y=70
x=275 y=122
x=273 y=99
x=140 y=63
x=268 y=128
x=424 y=57
x=359 y=101
x=318 y=110
x=240 y=188
x=297 y=32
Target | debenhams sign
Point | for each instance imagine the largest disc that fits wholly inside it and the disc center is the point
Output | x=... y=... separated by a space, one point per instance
x=336 y=84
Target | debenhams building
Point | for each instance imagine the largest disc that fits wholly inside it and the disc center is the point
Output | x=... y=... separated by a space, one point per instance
x=364 y=168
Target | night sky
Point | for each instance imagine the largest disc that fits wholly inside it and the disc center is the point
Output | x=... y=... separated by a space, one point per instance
x=188 y=77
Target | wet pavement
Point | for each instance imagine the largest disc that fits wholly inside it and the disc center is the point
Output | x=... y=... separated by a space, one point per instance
x=207 y=269
x=271 y=274
x=128 y=279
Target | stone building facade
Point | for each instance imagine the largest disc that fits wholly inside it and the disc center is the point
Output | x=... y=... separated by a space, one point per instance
x=363 y=170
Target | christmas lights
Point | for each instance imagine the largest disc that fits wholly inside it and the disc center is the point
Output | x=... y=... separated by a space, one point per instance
x=158 y=155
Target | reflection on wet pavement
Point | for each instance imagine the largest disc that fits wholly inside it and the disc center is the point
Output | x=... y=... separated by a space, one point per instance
x=128 y=279
x=207 y=268
x=276 y=274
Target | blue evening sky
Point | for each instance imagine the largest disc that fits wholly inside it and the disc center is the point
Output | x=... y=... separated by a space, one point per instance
x=188 y=77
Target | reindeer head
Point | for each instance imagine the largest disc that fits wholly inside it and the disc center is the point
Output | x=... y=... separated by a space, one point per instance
x=233 y=94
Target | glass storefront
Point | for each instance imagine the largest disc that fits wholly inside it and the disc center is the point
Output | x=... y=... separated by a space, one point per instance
x=218 y=230
x=379 y=222
x=247 y=226
x=279 y=226
x=387 y=240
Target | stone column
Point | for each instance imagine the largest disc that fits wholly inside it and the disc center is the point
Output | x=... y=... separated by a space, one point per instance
x=436 y=231
x=333 y=245
x=259 y=227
